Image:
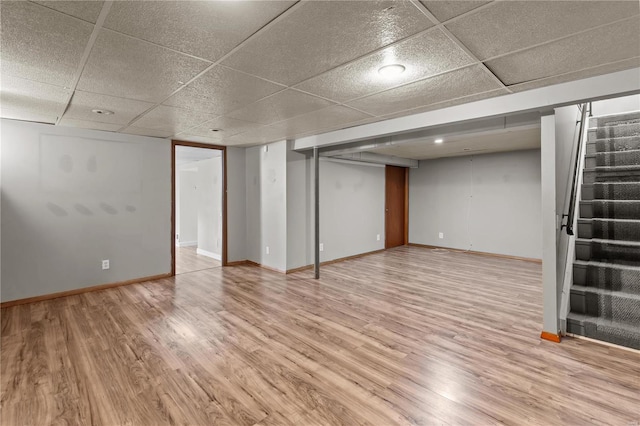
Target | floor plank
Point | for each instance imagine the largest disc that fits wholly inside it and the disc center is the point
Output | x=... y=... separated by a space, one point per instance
x=188 y=260
x=406 y=336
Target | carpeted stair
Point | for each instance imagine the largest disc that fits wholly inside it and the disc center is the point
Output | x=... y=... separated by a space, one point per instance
x=605 y=295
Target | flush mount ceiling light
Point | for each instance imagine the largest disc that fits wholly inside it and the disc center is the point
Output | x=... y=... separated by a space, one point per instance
x=439 y=140
x=390 y=71
x=102 y=111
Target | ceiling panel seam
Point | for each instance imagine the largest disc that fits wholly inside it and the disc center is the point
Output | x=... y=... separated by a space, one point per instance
x=461 y=45
x=85 y=55
x=585 y=31
x=275 y=20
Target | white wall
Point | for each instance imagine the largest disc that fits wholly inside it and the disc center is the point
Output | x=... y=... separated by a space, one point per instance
x=187 y=207
x=236 y=205
x=73 y=197
x=266 y=205
x=352 y=200
x=488 y=203
x=616 y=105
x=209 y=202
x=300 y=211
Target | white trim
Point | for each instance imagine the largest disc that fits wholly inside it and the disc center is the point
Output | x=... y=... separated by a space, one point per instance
x=542 y=99
x=186 y=243
x=208 y=254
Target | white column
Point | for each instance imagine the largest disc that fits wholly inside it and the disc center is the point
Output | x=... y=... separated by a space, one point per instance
x=550 y=321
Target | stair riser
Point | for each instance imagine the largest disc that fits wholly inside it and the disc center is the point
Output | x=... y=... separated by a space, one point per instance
x=592 y=176
x=613 y=145
x=615 y=120
x=604 y=191
x=608 y=306
x=612 y=159
x=608 y=252
x=606 y=334
x=610 y=210
x=607 y=278
x=610 y=230
x=624 y=130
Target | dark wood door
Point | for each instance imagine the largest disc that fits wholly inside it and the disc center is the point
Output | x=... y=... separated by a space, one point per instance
x=396 y=214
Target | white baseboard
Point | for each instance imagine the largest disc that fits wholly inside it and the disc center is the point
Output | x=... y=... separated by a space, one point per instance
x=186 y=244
x=208 y=254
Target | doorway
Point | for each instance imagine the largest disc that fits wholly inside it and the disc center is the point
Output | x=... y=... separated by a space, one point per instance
x=396 y=206
x=198 y=213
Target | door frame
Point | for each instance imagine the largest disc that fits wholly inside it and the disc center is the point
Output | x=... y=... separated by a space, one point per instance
x=174 y=144
x=406 y=208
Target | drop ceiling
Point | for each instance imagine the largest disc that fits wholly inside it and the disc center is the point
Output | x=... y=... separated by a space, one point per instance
x=260 y=71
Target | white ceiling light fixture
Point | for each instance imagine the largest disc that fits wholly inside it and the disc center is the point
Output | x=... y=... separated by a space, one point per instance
x=102 y=111
x=439 y=140
x=391 y=71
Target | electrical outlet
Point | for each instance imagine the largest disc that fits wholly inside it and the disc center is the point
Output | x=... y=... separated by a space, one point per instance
x=441 y=235
x=321 y=247
x=377 y=237
x=105 y=264
x=267 y=249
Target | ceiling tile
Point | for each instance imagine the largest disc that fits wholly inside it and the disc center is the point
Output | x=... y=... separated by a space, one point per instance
x=147 y=132
x=261 y=135
x=129 y=68
x=331 y=118
x=221 y=90
x=207 y=29
x=611 y=43
x=86 y=10
x=510 y=25
x=22 y=99
x=444 y=87
x=320 y=35
x=445 y=10
x=228 y=127
x=172 y=119
x=281 y=106
x=578 y=75
x=425 y=55
x=84 y=124
x=124 y=110
x=41 y=44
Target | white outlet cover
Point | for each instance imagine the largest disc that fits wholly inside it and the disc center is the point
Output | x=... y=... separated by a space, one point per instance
x=105 y=264
x=377 y=237
x=321 y=247
x=441 y=235
x=266 y=249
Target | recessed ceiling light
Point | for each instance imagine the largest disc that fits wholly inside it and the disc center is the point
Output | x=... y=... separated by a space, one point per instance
x=216 y=130
x=393 y=70
x=439 y=140
x=102 y=111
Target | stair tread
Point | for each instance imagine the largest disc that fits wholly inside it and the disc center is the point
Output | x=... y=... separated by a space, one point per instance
x=607 y=219
x=595 y=154
x=598 y=290
x=602 y=264
x=603 y=321
x=624 y=167
x=603 y=241
x=602 y=200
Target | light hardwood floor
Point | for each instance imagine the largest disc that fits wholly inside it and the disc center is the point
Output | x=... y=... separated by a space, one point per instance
x=406 y=336
x=188 y=260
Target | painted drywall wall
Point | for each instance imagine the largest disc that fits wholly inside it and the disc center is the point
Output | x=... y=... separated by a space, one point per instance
x=236 y=205
x=488 y=203
x=73 y=197
x=616 y=105
x=266 y=168
x=300 y=212
x=352 y=199
x=209 y=202
x=187 y=207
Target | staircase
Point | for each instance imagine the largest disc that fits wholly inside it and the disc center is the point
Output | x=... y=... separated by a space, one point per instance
x=605 y=295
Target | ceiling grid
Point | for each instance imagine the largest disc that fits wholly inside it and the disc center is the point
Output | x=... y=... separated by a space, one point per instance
x=258 y=71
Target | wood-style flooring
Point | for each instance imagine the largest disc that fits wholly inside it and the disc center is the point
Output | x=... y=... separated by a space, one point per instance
x=188 y=260
x=406 y=336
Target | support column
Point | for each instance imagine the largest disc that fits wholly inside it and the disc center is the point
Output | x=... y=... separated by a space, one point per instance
x=551 y=325
x=316 y=194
